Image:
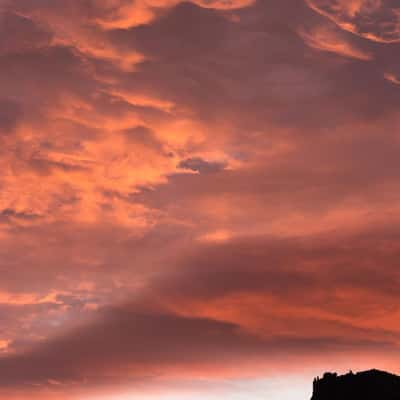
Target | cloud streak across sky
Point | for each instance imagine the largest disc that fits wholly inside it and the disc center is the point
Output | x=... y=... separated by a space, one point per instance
x=195 y=194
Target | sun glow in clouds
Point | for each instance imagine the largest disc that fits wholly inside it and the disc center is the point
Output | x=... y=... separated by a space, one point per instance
x=198 y=199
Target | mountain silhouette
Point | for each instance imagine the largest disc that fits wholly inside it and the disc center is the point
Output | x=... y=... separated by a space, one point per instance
x=366 y=385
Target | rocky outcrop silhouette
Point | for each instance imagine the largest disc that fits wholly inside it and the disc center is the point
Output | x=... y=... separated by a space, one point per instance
x=366 y=385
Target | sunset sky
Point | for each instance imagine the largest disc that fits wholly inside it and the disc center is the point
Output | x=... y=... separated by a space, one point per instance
x=198 y=199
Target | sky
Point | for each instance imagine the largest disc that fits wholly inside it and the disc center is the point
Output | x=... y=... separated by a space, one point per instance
x=198 y=199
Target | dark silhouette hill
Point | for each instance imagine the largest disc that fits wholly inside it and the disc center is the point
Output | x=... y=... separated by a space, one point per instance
x=367 y=385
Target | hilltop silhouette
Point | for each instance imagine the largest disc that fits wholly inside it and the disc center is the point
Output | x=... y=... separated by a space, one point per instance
x=367 y=385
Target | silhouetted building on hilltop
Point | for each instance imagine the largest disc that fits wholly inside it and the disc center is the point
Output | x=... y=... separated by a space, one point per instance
x=367 y=385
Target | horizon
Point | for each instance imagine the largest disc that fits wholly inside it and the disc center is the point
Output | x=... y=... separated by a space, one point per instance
x=198 y=199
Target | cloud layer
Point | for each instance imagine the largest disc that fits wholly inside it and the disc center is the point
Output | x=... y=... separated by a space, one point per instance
x=196 y=192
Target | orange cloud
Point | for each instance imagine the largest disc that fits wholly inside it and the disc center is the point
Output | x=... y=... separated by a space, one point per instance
x=127 y=15
x=373 y=20
x=325 y=39
x=392 y=78
x=189 y=193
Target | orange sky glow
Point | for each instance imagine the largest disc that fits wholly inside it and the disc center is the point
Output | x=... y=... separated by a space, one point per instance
x=198 y=198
